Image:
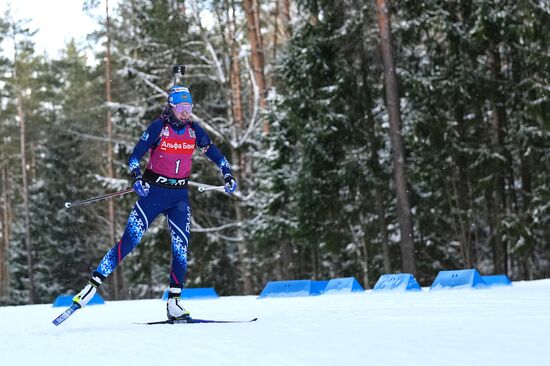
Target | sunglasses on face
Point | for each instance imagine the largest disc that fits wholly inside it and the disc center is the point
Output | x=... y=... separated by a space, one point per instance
x=179 y=108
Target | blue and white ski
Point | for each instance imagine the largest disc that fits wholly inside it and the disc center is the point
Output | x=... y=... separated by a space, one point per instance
x=66 y=314
x=197 y=321
x=74 y=307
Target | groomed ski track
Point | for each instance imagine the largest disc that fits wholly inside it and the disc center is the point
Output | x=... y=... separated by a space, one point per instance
x=497 y=326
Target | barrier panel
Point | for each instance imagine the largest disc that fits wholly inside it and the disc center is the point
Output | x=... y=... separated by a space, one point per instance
x=195 y=293
x=343 y=285
x=67 y=300
x=497 y=280
x=463 y=278
x=397 y=282
x=293 y=288
x=318 y=287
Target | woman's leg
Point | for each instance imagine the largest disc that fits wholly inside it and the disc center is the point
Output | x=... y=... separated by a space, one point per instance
x=139 y=220
x=179 y=224
x=142 y=215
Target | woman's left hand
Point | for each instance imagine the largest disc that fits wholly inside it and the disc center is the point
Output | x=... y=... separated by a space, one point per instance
x=230 y=183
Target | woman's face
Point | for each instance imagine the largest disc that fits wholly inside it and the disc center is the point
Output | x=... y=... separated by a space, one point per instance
x=182 y=111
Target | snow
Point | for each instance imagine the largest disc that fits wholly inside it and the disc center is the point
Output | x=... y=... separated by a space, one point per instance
x=497 y=326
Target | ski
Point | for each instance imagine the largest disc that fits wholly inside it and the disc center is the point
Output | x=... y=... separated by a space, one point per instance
x=66 y=314
x=197 y=321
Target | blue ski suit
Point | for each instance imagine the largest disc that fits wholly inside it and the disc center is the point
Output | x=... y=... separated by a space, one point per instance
x=171 y=146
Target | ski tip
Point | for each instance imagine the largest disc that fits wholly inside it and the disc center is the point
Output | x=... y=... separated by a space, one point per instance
x=66 y=314
x=60 y=319
x=253 y=320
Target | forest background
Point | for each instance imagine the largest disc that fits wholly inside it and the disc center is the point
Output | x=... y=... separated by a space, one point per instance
x=367 y=137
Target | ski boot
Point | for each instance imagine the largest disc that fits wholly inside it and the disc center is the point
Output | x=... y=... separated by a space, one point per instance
x=88 y=292
x=174 y=310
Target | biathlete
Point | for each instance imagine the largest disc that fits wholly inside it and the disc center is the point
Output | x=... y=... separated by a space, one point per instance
x=163 y=189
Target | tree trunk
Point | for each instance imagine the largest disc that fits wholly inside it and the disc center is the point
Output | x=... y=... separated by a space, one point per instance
x=498 y=120
x=373 y=162
x=398 y=151
x=365 y=262
x=4 y=249
x=25 y=192
x=461 y=185
x=252 y=11
x=382 y=228
x=235 y=75
x=526 y=193
x=286 y=18
x=275 y=30
x=118 y=282
x=286 y=261
x=236 y=153
x=525 y=166
x=375 y=167
x=315 y=261
x=245 y=273
x=25 y=188
x=459 y=179
x=135 y=29
x=362 y=250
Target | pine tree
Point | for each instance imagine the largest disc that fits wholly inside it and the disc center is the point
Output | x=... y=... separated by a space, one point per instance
x=314 y=209
x=146 y=54
x=66 y=239
x=454 y=88
x=21 y=101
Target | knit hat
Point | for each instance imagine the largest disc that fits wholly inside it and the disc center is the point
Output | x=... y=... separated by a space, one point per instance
x=179 y=94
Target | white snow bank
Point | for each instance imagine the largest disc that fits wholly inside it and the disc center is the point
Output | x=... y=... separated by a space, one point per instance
x=497 y=326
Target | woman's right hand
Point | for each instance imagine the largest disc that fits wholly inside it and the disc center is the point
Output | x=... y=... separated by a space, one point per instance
x=141 y=187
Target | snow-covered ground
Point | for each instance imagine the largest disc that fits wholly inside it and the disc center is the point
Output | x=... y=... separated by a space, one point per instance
x=498 y=326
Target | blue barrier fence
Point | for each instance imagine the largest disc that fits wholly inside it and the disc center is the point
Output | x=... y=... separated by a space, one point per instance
x=467 y=278
x=497 y=280
x=340 y=285
x=295 y=288
x=397 y=282
x=463 y=278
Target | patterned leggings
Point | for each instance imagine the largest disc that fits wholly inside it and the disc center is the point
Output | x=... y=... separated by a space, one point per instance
x=174 y=204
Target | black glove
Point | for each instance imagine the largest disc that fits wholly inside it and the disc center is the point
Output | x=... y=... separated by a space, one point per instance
x=230 y=183
x=140 y=186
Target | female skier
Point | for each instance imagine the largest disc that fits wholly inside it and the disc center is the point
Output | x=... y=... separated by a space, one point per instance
x=171 y=138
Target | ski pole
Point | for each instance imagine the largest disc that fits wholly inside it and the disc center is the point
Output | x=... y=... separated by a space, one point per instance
x=98 y=198
x=203 y=188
